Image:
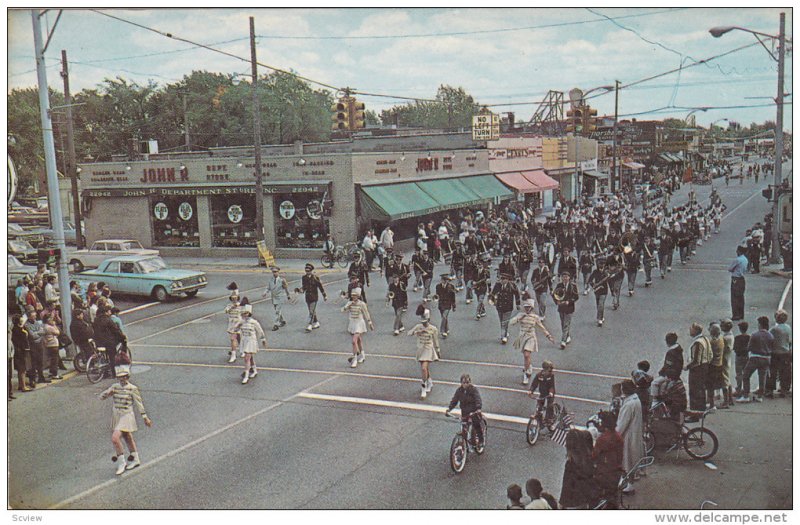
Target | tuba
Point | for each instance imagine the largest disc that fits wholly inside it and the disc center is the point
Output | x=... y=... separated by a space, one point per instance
x=435 y=298
x=559 y=294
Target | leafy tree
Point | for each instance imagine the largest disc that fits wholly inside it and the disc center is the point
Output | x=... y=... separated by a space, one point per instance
x=452 y=108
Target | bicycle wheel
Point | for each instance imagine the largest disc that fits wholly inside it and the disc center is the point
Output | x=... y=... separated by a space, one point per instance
x=96 y=367
x=79 y=362
x=342 y=259
x=532 y=432
x=480 y=448
x=700 y=443
x=558 y=410
x=649 y=442
x=458 y=454
x=326 y=260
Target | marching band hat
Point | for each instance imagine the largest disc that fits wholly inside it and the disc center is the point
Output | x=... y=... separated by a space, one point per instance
x=398 y=256
x=355 y=291
x=245 y=301
x=565 y=273
x=309 y=267
x=528 y=303
x=233 y=287
x=248 y=309
x=122 y=370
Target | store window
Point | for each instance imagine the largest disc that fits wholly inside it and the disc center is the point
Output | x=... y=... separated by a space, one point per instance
x=233 y=221
x=175 y=221
x=299 y=220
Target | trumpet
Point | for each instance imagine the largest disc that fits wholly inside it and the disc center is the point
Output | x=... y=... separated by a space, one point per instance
x=491 y=299
x=435 y=298
x=389 y=297
x=298 y=290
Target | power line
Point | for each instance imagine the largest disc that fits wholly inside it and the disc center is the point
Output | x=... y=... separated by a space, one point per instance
x=673 y=109
x=468 y=33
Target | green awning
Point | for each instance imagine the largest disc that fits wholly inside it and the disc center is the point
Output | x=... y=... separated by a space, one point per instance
x=488 y=187
x=396 y=201
x=450 y=192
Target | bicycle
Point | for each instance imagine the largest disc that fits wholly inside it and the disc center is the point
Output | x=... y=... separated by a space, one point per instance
x=538 y=420
x=463 y=441
x=98 y=365
x=338 y=256
x=699 y=442
x=616 y=502
x=81 y=358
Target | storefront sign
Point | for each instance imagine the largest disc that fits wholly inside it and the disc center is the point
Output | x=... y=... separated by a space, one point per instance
x=269 y=189
x=154 y=175
x=161 y=211
x=287 y=210
x=314 y=210
x=185 y=211
x=235 y=214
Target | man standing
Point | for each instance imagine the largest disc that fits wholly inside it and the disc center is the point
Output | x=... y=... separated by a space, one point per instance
x=312 y=287
x=483 y=281
x=630 y=427
x=399 y=302
x=447 y=301
x=780 y=367
x=565 y=295
x=737 y=270
x=698 y=367
x=759 y=351
x=358 y=269
x=279 y=294
x=505 y=296
x=368 y=245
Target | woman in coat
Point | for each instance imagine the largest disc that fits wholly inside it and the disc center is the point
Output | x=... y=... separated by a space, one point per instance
x=427 y=347
x=22 y=353
x=607 y=456
x=630 y=427
x=578 y=489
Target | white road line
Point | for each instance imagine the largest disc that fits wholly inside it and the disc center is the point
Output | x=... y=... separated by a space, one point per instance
x=758 y=192
x=385 y=356
x=785 y=294
x=137 y=308
x=363 y=375
x=178 y=450
x=212 y=314
x=407 y=406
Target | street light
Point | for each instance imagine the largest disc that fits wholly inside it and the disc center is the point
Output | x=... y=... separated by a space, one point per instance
x=717 y=32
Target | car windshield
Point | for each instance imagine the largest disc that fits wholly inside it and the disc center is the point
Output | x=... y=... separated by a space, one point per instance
x=131 y=245
x=13 y=262
x=154 y=264
x=19 y=245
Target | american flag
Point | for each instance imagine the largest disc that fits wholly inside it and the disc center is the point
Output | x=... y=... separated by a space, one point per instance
x=559 y=435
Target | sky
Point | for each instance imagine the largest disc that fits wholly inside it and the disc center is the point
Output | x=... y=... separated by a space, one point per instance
x=505 y=57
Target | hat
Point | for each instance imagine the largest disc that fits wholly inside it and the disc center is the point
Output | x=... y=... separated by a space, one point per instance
x=247 y=309
x=309 y=267
x=355 y=291
x=565 y=273
x=529 y=303
x=122 y=370
x=275 y=268
x=398 y=256
x=245 y=301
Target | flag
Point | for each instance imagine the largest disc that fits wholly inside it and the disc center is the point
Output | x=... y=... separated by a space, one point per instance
x=562 y=426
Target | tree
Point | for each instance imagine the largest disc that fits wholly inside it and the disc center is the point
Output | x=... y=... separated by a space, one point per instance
x=452 y=108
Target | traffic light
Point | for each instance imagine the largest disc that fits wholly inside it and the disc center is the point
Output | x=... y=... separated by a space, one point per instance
x=48 y=256
x=575 y=120
x=340 y=116
x=356 y=115
x=589 y=119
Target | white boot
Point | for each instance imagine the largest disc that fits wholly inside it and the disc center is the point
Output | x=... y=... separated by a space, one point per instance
x=423 y=393
x=232 y=357
x=309 y=328
x=353 y=361
x=253 y=372
x=245 y=378
x=121 y=465
x=134 y=461
x=429 y=385
x=362 y=356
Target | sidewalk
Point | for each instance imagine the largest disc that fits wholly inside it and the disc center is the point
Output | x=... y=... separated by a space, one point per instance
x=287 y=266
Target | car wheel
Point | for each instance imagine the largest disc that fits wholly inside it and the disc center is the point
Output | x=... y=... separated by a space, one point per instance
x=160 y=294
x=76 y=265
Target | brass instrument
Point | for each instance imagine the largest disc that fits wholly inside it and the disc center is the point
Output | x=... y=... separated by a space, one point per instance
x=298 y=290
x=424 y=273
x=492 y=300
x=543 y=279
x=559 y=295
x=403 y=286
x=435 y=298
x=597 y=287
x=389 y=297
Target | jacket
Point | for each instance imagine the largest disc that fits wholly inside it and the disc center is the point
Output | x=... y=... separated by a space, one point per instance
x=673 y=362
x=468 y=399
x=81 y=331
x=312 y=286
x=571 y=295
x=106 y=332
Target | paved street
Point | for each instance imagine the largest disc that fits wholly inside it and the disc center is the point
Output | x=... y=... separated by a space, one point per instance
x=311 y=433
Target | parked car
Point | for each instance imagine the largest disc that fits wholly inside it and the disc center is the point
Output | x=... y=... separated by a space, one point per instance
x=15 y=231
x=70 y=234
x=144 y=275
x=102 y=250
x=27 y=215
x=22 y=250
x=17 y=271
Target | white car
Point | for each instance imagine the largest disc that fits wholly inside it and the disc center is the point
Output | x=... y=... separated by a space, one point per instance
x=18 y=271
x=104 y=249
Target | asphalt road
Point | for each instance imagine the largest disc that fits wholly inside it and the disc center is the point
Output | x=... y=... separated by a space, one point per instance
x=309 y=432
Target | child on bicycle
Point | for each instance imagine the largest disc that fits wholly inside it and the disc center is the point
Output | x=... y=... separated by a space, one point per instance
x=545 y=381
x=469 y=400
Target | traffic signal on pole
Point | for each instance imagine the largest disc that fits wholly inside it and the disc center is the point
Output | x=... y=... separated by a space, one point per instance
x=590 y=119
x=575 y=120
x=357 y=115
x=340 y=116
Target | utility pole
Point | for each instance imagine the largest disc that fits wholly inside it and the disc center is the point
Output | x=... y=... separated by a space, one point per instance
x=54 y=203
x=186 y=123
x=257 y=136
x=614 y=138
x=774 y=256
x=72 y=172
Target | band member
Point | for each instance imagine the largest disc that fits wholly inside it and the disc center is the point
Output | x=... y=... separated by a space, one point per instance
x=234 y=312
x=447 y=301
x=390 y=268
x=123 y=422
x=428 y=349
x=312 y=287
x=470 y=275
x=416 y=261
x=568 y=264
x=665 y=249
x=279 y=294
x=426 y=265
x=599 y=283
x=649 y=253
x=251 y=333
x=359 y=321
x=586 y=263
x=526 y=342
x=507 y=267
x=524 y=259
x=541 y=279
x=565 y=295
x=457 y=265
x=399 y=300
x=359 y=269
x=631 y=259
x=617 y=272
x=505 y=296
x=483 y=281
x=402 y=269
